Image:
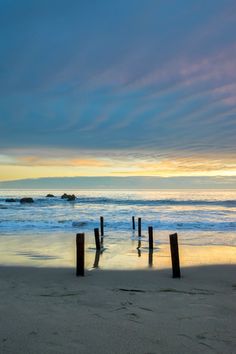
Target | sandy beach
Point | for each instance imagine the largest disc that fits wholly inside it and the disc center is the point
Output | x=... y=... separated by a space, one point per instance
x=46 y=310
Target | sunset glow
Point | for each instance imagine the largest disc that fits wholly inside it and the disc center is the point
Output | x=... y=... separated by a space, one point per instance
x=119 y=89
x=36 y=167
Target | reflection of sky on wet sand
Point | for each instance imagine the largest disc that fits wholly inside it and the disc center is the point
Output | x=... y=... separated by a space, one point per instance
x=58 y=250
x=37 y=250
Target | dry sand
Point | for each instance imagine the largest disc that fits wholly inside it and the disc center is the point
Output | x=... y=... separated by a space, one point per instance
x=129 y=312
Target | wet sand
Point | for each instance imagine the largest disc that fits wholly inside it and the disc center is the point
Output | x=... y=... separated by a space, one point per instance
x=58 y=250
x=46 y=310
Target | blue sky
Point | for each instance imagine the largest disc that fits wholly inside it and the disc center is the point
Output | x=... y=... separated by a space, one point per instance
x=147 y=82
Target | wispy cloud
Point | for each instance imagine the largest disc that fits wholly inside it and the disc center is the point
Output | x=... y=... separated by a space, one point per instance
x=125 y=78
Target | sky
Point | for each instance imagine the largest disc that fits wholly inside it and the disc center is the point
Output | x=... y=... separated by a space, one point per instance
x=117 y=88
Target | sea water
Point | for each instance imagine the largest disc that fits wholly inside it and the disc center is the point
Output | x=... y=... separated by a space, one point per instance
x=43 y=232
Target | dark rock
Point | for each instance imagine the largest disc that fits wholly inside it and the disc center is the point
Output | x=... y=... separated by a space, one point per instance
x=71 y=197
x=26 y=200
x=50 y=196
x=10 y=200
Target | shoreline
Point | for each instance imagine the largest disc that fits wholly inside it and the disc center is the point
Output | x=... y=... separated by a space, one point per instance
x=48 y=310
x=58 y=250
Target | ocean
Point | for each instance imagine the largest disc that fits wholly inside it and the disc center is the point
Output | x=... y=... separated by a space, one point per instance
x=200 y=217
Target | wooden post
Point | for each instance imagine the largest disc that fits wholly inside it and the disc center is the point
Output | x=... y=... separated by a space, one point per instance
x=133 y=223
x=175 y=255
x=102 y=225
x=150 y=237
x=80 y=254
x=139 y=227
x=97 y=241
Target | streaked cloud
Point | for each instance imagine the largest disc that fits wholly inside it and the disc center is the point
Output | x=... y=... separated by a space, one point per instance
x=103 y=87
x=38 y=161
x=69 y=164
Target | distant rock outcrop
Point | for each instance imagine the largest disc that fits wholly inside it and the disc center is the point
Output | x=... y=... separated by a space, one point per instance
x=69 y=197
x=50 y=196
x=26 y=200
x=11 y=200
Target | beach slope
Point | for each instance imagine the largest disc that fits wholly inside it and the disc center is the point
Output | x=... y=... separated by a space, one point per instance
x=53 y=311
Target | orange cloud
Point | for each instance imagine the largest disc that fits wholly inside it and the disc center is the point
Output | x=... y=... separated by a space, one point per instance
x=38 y=161
x=178 y=166
x=136 y=165
x=188 y=167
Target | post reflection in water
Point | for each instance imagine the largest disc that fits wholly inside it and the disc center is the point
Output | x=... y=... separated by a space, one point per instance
x=150 y=254
x=150 y=258
x=138 y=248
x=133 y=236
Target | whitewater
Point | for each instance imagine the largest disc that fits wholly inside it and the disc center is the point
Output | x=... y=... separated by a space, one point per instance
x=201 y=217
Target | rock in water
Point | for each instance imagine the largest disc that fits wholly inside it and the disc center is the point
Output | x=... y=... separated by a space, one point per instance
x=26 y=200
x=71 y=197
x=10 y=200
x=50 y=196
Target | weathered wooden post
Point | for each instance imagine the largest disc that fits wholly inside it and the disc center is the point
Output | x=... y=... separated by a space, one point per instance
x=97 y=241
x=102 y=226
x=139 y=227
x=133 y=222
x=150 y=237
x=175 y=255
x=79 y=254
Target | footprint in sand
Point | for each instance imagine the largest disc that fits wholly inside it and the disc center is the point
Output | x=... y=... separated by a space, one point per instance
x=133 y=317
x=33 y=333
